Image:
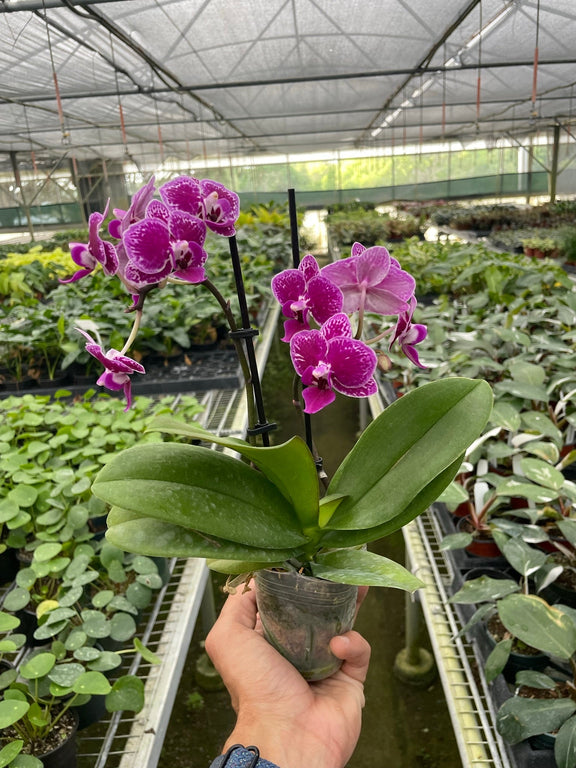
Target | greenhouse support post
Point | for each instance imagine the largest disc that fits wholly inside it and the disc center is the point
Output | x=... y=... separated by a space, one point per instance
x=18 y=182
x=554 y=169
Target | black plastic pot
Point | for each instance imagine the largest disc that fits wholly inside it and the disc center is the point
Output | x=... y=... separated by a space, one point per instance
x=65 y=755
x=9 y=565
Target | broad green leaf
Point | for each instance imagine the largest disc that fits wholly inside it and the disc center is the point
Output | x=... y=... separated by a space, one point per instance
x=290 y=466
x=7 y=678
x=11 y=711
x=47 y=551
x=405 y=448
x=127 y=693
x=533 y=679
x=334 y=539
x=542 y=473
x=106 y=661
x=506 y=416
x=237 y=567
x=565 y=744
x=484 y=588
x=357 y=566
x=38 y=666
x=8 y=622
x=10 y=751
x=535 y=493
x=480 y=613
x=568 y=528
x=543 y=450
x=201 y=490
x=532 y=620
x=157 y=538
x=538 y=422
x=23 y=495
x=456 y=541
x=522 y=557
x=497 y=659
x=519 y=718
x=92 y=683
x=453 y=495
x=27 y=761
x=65 y=675
x=122 y=627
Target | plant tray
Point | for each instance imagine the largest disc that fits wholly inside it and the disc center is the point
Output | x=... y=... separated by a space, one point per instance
x=208 y=370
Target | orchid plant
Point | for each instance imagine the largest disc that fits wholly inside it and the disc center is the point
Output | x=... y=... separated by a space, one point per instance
x=265 y=509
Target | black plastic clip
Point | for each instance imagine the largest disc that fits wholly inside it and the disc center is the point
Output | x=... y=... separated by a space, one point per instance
x=243 y=333
x=319 y=463
x=261 y=429
x=251 y=764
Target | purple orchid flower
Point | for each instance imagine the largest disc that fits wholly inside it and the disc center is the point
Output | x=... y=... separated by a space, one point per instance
x=371 y=281
x=210 y=201
x=166 y=242
x=135 y=212
x=408 y=334
x=119 y=368
x=329 y=360
x=97 y=251
x=305 y=291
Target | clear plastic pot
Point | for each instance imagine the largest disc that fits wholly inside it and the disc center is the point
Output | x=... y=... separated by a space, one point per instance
x=300 y=614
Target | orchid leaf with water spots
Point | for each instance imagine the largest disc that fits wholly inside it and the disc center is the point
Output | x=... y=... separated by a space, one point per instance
x=200 y=490
x=406 y=447
x=520 y=718
x=155 y=538
x=364 y=568
x=290 y=466
x=565 y=744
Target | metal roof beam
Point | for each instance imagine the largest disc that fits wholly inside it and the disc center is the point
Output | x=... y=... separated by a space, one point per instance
x=13 y=6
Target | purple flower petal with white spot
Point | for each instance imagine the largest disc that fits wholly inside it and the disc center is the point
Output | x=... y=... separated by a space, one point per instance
x=118 y=367
x=187 y=235
x=329 y=364
x=300 y=296
x=221 y=207
x=149 y=250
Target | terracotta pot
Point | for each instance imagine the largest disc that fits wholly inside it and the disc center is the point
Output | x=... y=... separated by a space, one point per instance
x=483 y=544
x=301 y=614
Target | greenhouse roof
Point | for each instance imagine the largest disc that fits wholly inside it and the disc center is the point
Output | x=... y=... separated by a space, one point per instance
x=153 y=80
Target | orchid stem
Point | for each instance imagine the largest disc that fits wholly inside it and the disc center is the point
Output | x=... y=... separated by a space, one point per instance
x=133 y=332
x=322 y=476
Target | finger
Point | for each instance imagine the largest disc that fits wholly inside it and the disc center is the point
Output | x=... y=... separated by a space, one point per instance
x=355 y=651
x=238 y=614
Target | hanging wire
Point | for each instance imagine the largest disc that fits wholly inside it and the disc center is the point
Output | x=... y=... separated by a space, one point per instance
x=64 y=132
x=479 y=77
x=535 y=71
x=119 y=100
x=444 y=96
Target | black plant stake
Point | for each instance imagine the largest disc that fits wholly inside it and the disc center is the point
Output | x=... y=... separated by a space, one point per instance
x=296 y=262
x=246 y=333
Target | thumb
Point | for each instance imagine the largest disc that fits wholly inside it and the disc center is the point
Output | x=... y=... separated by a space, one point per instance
x=355 y=652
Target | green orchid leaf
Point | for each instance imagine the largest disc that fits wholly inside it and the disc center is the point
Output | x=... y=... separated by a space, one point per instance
x=357 y=566
x=237 y=567
x=565 y=744
x=328 y=505
x=421 y=502
x=484 y=588
x=520 y=718
x=289 y=466
x=406 y=447
x=201 y=490
x=497 y=659
x=148 y=536
x=532 y=620
x=127 y=693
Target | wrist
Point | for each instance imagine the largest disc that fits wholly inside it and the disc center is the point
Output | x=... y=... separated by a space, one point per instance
x=269 y=747
x=239 y=756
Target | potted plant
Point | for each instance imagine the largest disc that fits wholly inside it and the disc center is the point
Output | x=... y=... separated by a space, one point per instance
x=263 y=512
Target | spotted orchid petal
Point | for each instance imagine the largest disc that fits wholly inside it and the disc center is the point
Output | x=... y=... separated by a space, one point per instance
x=408 y=334
x=148 y=248
x=97 y=251
x=118 y=367
x=135 y=212
x=221 y=207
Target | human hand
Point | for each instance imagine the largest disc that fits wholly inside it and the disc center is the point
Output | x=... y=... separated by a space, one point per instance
x=293 y=723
